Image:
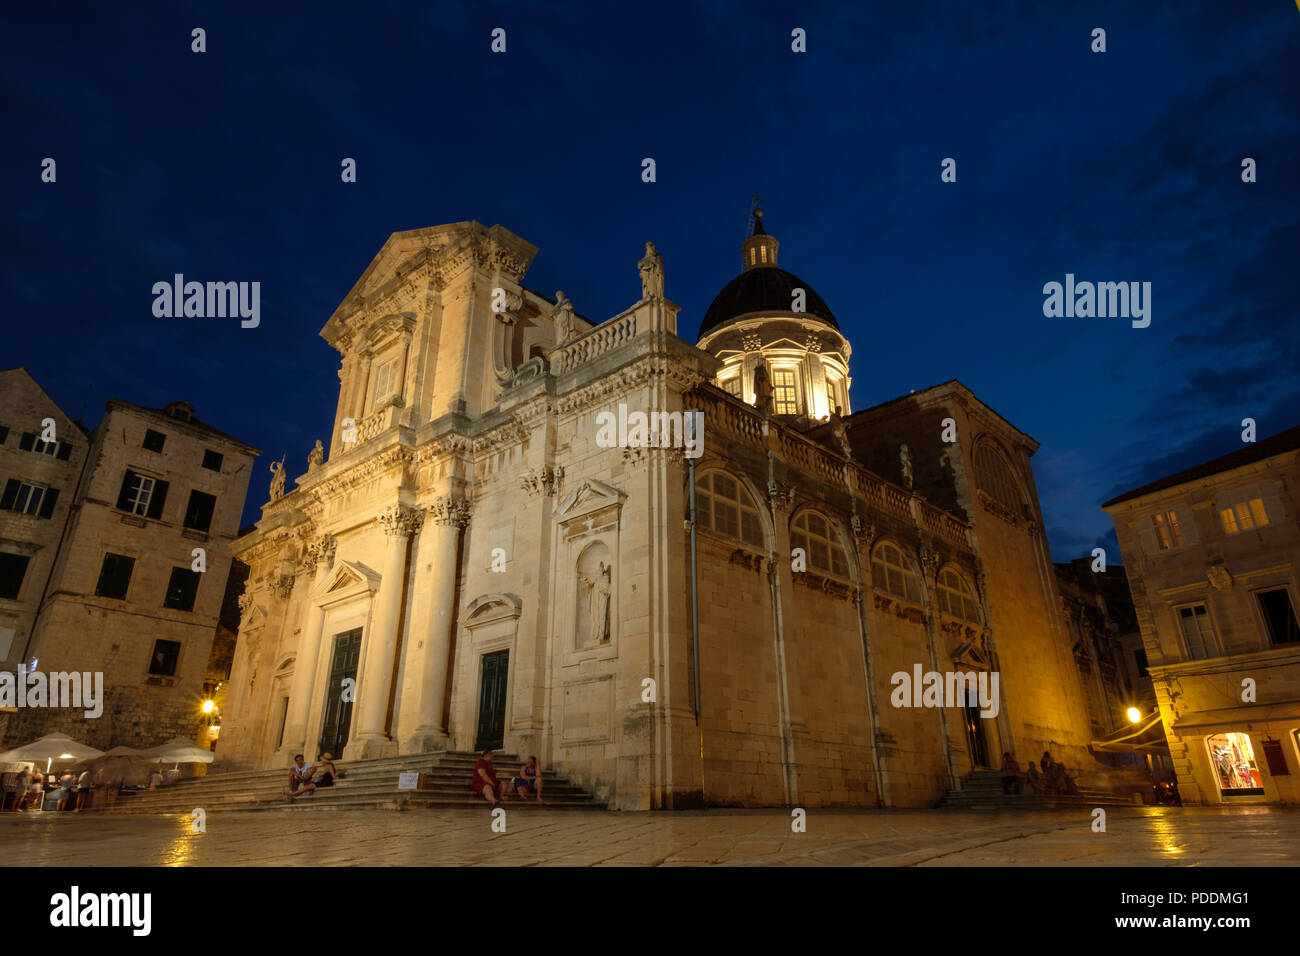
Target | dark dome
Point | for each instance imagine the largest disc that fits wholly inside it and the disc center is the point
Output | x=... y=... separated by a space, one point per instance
x=763 y=289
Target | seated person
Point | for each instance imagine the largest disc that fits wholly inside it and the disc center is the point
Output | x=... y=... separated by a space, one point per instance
x=529 y=780
x=325 y=774
x=1032 y=778
x=300 y=775
x=155 y=780
x=485 y=782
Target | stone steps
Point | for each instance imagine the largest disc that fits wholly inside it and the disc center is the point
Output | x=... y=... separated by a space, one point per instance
x=982 y=790
x=369 y=784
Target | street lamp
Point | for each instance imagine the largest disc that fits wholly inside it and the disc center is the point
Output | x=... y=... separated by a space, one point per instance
x=1134 y=715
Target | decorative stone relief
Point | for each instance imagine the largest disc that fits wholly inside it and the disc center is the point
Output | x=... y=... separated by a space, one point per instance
x=751 y=341
x=543 y=481
x=1218 y=576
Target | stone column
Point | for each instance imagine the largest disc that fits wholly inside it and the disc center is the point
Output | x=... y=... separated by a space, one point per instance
x=424 y=684
x=369 y=739
x=320 y=559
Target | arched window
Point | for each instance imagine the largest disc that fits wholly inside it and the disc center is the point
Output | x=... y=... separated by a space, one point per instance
x=817 y=537
x=956 y=597
x=893 y=573
x=997 y=480
x=722 y=505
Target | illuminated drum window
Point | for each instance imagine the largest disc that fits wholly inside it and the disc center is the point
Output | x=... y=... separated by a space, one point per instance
x=1233 y=760
x=784 y=399
x=817 y=537
x=722 y=505
x=732 y=385
x=892 y=573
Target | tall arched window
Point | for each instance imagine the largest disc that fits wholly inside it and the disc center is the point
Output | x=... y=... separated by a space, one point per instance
x=723 y=505
x=818 y=539
x=893 y=573
x=956 y=597
x=997 y=480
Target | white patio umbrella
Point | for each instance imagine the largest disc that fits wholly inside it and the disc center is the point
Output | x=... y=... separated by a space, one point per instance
x=49 y=748
x=178 y=750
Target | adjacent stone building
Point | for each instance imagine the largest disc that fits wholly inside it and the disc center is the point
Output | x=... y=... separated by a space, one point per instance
x=128 y=571
x=1212 y=556
x=516 y=542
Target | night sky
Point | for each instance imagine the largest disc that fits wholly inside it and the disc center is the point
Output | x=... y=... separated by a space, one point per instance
x=1122 y=166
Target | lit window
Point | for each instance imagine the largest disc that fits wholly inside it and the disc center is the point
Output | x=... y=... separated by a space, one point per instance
x=762 y=251
x=723 y=505
x=819 y=541
x=831 y=401
x=1244 y=516
x=893 y=573
x=783 y=392
x=732 y=385
x=957 y=597
x=1198 y=632
x=1167 y=533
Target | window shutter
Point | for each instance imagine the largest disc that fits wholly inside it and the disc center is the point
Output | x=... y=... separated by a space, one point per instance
x=158 y=499
x=47 y=502
x=65 y=451
x=124 y=496
x=27 y=441
x=10 y=494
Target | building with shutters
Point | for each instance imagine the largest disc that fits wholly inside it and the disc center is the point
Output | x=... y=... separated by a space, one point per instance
x=476 y=564
x=1213 y=560
x=126 y=533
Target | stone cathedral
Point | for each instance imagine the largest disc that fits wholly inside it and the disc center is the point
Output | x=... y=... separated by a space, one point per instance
x=469 y=565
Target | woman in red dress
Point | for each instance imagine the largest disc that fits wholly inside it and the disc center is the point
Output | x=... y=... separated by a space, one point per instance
x=485 y=780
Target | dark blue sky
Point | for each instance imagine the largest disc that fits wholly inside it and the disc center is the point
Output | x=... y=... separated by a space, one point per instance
x=1123 y=166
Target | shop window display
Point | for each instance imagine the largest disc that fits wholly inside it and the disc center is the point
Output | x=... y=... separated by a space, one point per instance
x=1233 y=758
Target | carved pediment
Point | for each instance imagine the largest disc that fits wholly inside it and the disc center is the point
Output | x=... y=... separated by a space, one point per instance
x=487 y=608
x=347 y=579
x=254 y=618
x=588 y=497
x=969 y=654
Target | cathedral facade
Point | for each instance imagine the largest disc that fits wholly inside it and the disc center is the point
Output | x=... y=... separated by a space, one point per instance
x=721 y=608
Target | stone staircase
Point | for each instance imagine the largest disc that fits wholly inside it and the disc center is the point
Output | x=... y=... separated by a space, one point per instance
x=982 y=790
x=369 y=785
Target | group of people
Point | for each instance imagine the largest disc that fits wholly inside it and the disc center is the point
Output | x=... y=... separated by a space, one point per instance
x=1052 y=779
x=527 y=783
x=72 y=792
x=305 y=778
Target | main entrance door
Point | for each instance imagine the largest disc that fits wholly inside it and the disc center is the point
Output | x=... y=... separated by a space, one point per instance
x=976 y=743
x=492 y=701
x=338 y=712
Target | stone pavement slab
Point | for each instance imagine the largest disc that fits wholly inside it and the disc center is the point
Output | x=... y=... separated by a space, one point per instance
x=1138 y=836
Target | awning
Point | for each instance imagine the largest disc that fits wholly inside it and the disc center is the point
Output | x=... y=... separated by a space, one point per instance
x=1146 y=736
x=50 y=747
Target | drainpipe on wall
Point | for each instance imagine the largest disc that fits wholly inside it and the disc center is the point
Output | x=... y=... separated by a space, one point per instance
x=877 y=751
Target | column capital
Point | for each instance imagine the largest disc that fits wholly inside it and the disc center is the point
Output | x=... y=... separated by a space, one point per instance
x=319 y=549
x=400 y=520
x=450 y=510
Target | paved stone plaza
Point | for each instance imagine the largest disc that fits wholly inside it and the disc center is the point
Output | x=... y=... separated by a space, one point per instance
x=1135 y=837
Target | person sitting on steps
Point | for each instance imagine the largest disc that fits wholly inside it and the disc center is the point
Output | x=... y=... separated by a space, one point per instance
x=485 y=782
x=529 y=780
x=300 y=775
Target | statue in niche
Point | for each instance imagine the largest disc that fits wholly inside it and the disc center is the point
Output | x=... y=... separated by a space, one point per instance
x=316 y=456
x=652 y=273
x=277 y=479
x=905 y=459
x=595 y=594
x=762 y=389
x=566 y=325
